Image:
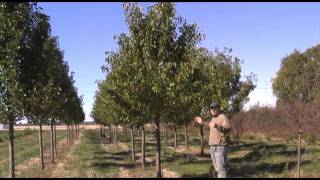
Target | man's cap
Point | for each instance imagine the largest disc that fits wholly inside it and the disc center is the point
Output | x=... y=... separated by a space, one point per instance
x=214 y=105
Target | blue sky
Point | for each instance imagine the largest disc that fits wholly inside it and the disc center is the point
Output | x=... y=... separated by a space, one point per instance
x=261 y=34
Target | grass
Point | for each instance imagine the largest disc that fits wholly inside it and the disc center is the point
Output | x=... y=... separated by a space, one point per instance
x=251 y=157
x=25 y=147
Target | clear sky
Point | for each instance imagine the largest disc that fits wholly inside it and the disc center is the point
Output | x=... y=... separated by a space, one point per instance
x=261 y=34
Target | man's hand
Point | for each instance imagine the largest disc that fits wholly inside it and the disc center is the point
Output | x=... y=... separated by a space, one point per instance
x=198 y=120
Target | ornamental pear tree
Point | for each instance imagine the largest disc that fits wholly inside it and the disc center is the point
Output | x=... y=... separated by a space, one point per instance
x=15 y=25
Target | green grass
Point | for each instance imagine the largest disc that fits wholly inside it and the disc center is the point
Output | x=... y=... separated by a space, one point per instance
x=25 y=147
x=252 y=157
x=90 y=158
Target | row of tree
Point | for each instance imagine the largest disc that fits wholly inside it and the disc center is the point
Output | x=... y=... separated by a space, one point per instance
x=34 y=79
x=160 y=75
x=297 y=111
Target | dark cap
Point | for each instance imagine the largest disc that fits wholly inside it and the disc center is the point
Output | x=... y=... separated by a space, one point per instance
x=214 y=105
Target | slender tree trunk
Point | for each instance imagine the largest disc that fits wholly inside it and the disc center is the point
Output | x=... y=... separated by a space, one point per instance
x=76 y=131
x=79 y=131
x=175 y=138
x=11 y=148
x=41 y=146
x=110 y=134
x=105 y=131
x=201 y=140
x=132 y=146
x=67 y=132
x=72 y=132
x=158 y=147
x=52 y=142
x=115 y=135
x=100 y=130
x=186 y=135
x=299 y=155
x=166 y=135
x=55 y=139
x=143 y=148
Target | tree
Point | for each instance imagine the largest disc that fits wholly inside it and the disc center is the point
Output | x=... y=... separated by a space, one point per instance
x=157 y=73
x=15 y=20
x=299 y=73
x=36 y=79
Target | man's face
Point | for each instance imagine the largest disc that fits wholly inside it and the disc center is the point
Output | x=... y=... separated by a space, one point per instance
x=213 y=112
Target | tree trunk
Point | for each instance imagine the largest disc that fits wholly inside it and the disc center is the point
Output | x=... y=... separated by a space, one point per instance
x=201 y=141
x=55 y=139
x=52 y=142
x=76 y=131
x=41 y=146
x=299 y=155
x=186 y=135
x=69 y=133
x=158 y=147
x=11 y=148
x=143 y=149
x=105 y=131
x=175 y=138
x=110 y=134
x=72 y=132
x=132 y=146
x=166 y=135
x=115 y=135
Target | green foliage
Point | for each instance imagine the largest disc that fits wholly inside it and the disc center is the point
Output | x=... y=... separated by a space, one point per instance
x=14 y=21
x=158 y=70
x=299 y=73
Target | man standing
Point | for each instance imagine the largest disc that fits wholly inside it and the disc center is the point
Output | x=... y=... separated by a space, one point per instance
x=218 y=138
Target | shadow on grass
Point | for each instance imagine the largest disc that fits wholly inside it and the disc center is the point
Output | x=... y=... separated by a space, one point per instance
x=112 y=164
x=248 y=165
x=258 y=170
x=260 y=150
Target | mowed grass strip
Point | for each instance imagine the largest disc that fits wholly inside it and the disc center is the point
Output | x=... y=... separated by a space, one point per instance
x=89 y=158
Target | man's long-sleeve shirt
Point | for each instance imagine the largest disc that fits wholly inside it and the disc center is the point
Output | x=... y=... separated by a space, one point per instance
x=219 y=134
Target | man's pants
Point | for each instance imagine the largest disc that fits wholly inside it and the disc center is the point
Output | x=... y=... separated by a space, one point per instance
x=219 y=160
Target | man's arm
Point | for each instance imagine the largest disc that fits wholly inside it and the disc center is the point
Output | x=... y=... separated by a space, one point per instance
x=224 y=126
x=206 y=125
